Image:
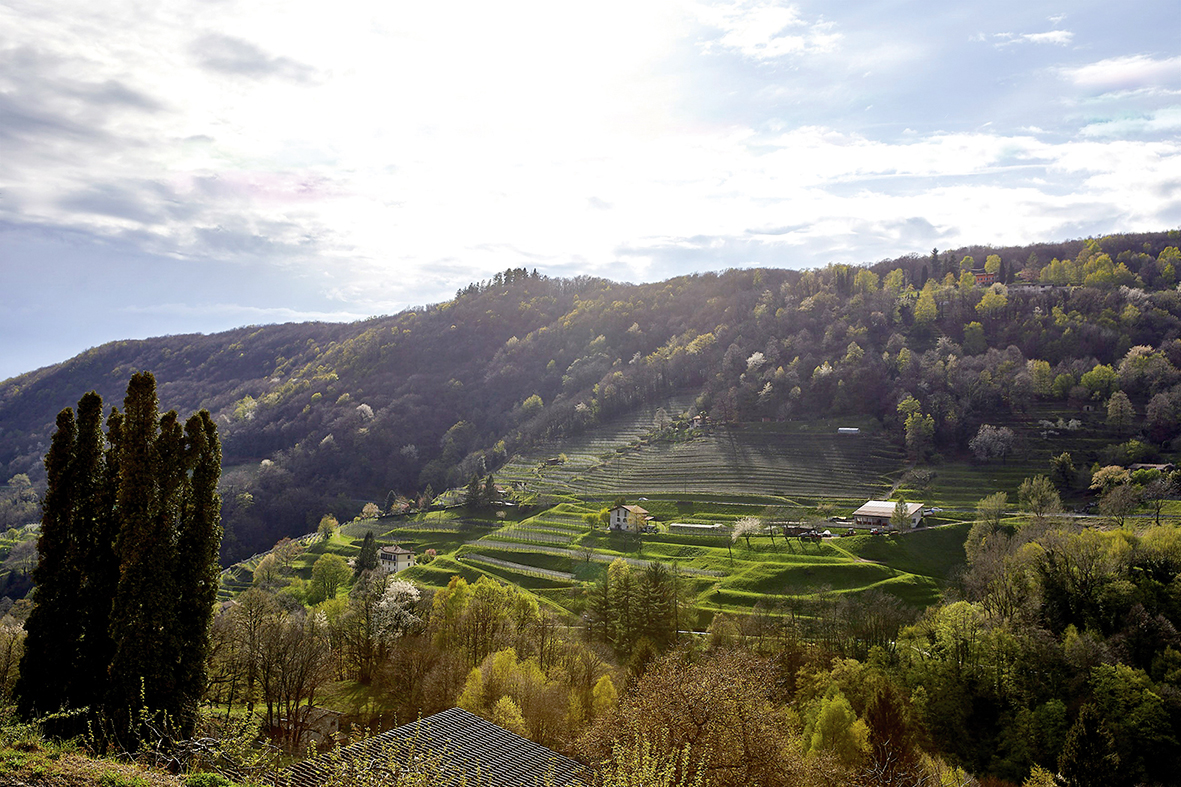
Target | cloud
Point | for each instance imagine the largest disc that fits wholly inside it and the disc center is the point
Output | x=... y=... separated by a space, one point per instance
x=237 y=57
x=243 y=314
x=1164 y=121
x=767 y=30
x=1058 y=37
x=387 y=155
x=1127 y=73
x=115 y=202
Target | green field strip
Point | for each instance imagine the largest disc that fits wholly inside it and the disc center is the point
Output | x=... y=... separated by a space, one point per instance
x=930 y=552
x=518 y=568
x=597 y=556
x=796 y=580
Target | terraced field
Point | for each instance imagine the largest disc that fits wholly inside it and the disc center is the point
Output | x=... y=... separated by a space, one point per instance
x=714 y=477
x=584 y=452
x=754 y=462
x=805 y=460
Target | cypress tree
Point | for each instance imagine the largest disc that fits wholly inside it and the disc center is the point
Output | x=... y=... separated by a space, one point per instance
x=95 y=525
x=54 y=625
x=142 y=671
x=127 y=576
x=196 y=567
x=367 y=560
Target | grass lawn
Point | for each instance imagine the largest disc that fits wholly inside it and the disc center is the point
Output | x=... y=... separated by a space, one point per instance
x=928 y=552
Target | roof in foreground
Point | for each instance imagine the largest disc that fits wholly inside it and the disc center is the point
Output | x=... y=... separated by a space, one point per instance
x=466 y=744
x=886 y=508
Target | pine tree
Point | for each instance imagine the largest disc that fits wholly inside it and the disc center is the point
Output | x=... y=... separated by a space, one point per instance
x=656 y=604
x=54 y=625
x=1088 y=757
x=474 y=495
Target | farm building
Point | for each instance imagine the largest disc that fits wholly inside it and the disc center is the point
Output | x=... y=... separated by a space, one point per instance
x=983 y=277
x=628 y=518
x=465 y=748
x=848 y=430
x=395 y=558
x=877 y=513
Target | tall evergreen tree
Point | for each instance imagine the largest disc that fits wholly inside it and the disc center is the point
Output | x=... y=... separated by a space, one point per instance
x=1088 y=757
x=367 y=560
x=196 y=567
x=127 y=576
x=474 y=495
x=54 y=625
x=142 y=674
x=96 y=524
x=656 y=604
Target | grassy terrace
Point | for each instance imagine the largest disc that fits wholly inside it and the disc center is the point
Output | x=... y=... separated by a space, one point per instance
x=719 y=477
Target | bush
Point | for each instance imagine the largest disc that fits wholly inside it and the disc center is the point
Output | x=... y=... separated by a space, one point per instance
x=208 y=780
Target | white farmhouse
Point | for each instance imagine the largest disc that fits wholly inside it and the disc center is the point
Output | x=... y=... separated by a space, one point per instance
x=628 y=518
x=395 y=558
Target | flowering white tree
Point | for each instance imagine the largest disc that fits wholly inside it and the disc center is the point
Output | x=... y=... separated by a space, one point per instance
x=745 y=528
x=395 y=610
x=993 y=442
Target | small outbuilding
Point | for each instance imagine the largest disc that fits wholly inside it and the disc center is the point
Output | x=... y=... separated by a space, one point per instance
x=463 y=748
x=878 y=513
x=1166 y=467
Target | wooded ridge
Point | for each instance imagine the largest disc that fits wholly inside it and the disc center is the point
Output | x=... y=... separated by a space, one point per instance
x=322 y=417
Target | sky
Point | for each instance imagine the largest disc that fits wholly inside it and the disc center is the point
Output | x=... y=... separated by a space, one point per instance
x=197 y=165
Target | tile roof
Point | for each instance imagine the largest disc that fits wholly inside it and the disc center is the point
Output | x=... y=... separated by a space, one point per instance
x=469 y=745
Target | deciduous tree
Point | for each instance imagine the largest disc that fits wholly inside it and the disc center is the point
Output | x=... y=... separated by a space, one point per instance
x=329 y=572
x=1120 y=413
x=1038 y=496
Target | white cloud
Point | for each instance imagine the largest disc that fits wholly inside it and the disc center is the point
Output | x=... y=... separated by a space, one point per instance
x=1127 y=73
x=1059 y=37
x=1165 y=121
x=766 y=29
x=377 y=156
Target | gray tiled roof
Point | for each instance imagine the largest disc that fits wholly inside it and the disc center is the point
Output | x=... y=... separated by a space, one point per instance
x=468 y=744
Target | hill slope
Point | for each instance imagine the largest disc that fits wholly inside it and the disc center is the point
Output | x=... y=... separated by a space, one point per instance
x=319 y=417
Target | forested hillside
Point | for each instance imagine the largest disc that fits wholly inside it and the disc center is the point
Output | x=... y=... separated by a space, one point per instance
x=318 y=417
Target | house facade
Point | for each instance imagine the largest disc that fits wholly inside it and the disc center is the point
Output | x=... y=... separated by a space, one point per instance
x=395 y=558
x=628 y=518
x=878 y=513
x=983 y=277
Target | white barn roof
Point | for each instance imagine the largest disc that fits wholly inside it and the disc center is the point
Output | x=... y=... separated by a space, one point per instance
x=885 y=508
